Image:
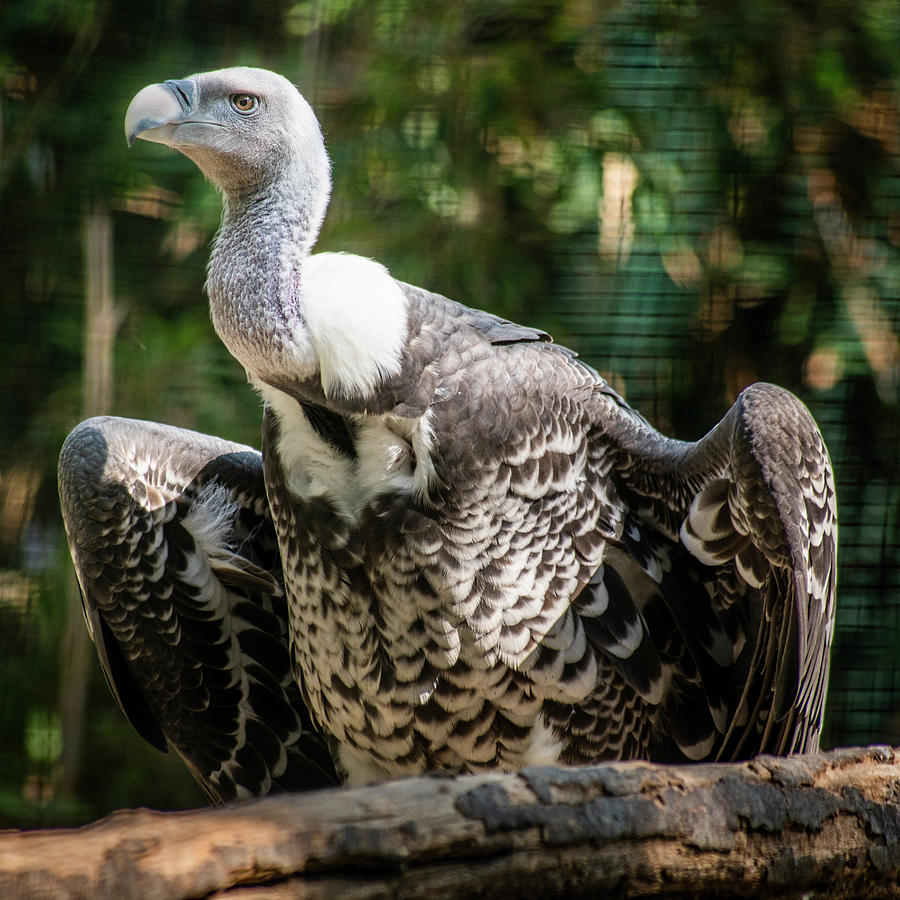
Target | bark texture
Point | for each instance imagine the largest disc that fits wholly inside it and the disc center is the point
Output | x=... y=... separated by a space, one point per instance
x=824 y=826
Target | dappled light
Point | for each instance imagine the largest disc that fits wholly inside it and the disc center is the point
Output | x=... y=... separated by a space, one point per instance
x=691 y=197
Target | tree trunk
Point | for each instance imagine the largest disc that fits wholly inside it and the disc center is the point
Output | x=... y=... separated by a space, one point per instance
x=824 y=826
x=100 y=325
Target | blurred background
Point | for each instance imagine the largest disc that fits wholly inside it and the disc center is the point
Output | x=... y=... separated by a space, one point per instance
x=693 y=195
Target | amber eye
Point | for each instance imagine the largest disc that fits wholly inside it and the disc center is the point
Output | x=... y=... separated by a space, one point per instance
x=244 y=103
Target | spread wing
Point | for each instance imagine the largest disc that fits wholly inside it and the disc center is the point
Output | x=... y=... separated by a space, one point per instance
x=753 y=502
x=182 y=591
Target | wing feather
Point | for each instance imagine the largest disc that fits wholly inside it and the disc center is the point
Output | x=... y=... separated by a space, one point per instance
x=182 y=592
x=754 y=502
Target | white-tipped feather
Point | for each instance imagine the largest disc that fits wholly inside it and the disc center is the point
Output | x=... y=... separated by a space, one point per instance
x=700 y=750
x=707 y=512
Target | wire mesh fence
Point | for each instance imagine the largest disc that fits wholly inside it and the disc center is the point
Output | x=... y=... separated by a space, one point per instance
x=692 y=196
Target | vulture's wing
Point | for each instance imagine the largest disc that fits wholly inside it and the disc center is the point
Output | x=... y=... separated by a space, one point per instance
x=754 y=502
x=182 y=592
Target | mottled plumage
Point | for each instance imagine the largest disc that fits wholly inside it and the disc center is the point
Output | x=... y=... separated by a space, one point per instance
x=489 y=559
x=180 y=574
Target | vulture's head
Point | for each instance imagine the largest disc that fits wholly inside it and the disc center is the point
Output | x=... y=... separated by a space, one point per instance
x=254 y=136
x=244 y=128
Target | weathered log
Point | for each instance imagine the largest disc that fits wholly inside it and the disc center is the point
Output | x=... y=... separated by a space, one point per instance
x=828 y=824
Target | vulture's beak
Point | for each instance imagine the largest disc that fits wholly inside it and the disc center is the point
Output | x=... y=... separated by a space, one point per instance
x=157 y=110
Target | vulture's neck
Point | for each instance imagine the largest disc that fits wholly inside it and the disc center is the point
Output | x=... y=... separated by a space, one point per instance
x=254 y=277
x=326 y=328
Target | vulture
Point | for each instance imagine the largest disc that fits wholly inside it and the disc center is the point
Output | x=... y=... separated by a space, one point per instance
x=459 y=549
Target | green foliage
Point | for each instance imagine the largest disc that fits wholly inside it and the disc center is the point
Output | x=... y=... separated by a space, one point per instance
x=692 y=195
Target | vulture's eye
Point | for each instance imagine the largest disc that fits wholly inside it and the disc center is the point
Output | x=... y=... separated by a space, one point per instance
x=244 y=103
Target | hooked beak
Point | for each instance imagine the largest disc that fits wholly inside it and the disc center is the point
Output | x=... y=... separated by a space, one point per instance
x=158 y=109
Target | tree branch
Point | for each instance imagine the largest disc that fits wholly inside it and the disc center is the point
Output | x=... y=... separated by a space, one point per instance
x=770 y=827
